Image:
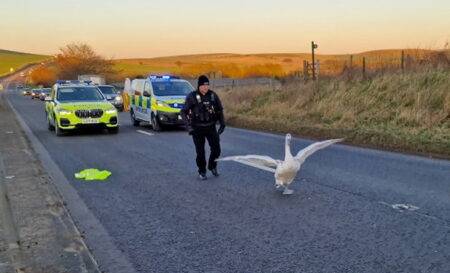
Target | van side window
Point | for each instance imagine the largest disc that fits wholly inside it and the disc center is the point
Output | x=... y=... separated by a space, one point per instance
x=147 y=89
x=53 y=93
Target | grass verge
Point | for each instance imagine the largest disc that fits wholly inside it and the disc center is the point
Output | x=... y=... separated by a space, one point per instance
x=403 y=112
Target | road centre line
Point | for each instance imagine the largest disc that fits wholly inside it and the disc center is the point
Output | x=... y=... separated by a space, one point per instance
x=145 y=133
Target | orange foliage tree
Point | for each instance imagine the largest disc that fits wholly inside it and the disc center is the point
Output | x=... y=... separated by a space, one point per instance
x=78 y=59
x=43 y=75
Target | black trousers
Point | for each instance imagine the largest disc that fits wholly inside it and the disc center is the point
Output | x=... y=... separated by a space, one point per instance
x=199 y=136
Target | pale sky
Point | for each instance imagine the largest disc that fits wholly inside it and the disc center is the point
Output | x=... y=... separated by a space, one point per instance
x=139 y=28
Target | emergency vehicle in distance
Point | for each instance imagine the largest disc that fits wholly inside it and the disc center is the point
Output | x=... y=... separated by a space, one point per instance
x=73 y=104
x=158 y=100
x=94 y=79
x=112 y=95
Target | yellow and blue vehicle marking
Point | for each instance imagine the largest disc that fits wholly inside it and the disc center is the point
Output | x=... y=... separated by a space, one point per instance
x=142 y=104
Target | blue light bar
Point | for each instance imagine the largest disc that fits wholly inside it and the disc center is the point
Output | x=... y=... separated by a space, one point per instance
x=163 y=77
x=71 y=82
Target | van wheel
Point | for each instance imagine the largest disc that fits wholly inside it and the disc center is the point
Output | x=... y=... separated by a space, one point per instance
x=155 y=124
x=49 y=125
x=134 y=121
x=58 y=131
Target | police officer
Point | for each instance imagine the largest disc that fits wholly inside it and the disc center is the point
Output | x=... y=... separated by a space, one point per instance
x=201 y=112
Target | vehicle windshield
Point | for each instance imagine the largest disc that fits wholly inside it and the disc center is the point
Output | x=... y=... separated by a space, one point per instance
x=171 y=88
x=79 y=94
x=108 y=90
x=46 y=90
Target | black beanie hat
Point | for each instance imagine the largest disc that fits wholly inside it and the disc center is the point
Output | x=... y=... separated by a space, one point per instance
x=202 y=80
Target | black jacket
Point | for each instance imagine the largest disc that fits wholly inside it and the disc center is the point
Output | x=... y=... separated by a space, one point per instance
x=202 y=110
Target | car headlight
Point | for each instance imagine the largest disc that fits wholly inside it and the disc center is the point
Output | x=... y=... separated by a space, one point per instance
x=64 y=112
x=118 y=98
x=161 y=103
x=111 y=111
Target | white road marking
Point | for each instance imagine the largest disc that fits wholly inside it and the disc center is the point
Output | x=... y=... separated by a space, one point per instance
x=403 y=207
x=145 y=133
x=9 y=177
x=13 y=246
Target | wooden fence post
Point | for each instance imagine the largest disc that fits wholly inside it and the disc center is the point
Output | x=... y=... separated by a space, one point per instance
x=305 y=70
x=350 y=70
x=364 y=67
x=313 y=47
x=403 y=61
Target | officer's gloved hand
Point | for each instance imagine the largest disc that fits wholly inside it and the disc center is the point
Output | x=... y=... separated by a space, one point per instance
x=221 y=129
x=190 y=130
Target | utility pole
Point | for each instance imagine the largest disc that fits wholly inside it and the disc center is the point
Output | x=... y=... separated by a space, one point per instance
x=313 y=47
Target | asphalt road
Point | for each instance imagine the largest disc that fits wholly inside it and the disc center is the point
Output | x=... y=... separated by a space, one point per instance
x=341 y=218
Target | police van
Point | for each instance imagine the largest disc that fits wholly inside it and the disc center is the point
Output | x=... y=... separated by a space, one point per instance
x=158 y=100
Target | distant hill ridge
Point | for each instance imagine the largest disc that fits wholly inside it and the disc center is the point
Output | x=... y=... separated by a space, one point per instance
x=17 y=60
x=292 y=54
x=233 y=64
x=262 y=64
x=5 y=51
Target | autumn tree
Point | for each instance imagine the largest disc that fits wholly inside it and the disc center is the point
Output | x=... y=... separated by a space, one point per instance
x=43 y=75
x=78 y=59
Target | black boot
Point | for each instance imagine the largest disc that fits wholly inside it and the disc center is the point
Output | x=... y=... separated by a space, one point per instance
x=215 y=172
x=202 y=176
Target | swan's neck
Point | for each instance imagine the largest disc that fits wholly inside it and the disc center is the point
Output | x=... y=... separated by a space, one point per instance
x=287 y=152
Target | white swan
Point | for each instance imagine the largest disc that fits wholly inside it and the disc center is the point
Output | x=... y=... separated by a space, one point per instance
x=285 y=171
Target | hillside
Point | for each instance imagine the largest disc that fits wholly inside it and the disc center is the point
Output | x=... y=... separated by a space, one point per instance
x=397 y=111
x=16 y=60
x=237 y=65
x=248 y=65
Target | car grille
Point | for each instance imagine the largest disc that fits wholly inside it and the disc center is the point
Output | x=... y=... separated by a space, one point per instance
x=94 y=113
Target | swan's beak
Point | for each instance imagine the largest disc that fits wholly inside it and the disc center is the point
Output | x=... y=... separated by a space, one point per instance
x=288 y=137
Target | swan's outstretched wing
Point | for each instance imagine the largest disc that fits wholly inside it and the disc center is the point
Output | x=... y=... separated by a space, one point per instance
x=258 y=161
x=309 y=150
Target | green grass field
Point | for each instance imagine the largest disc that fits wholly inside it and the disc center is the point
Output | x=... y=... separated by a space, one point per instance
x=16 y=60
